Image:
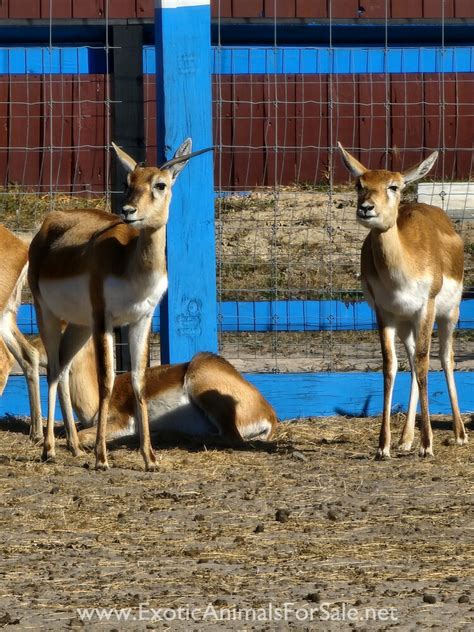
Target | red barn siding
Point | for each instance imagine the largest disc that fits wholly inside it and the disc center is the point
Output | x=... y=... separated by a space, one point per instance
x=304 y=129
x=244 y=8
x=271 y=131
x=343 y=8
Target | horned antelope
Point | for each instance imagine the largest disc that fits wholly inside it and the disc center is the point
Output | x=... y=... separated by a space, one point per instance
x=412 y=273
x=97 y=271
x=13 y=344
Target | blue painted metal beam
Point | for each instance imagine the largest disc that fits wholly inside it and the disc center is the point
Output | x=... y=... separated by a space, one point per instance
x=184 y=109
x=227 y=60
x=281 y=316
x=307 y=394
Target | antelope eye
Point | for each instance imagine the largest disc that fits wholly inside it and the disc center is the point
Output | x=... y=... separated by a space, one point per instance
x=393 y=187
x=359 y=187
x=159 y=186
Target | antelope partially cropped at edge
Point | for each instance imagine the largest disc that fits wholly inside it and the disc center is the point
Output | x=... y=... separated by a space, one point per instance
x=97 y=271
x=13 y=344
x=412 y=274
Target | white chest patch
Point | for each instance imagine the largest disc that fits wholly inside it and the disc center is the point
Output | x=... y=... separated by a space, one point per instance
x=128 y=300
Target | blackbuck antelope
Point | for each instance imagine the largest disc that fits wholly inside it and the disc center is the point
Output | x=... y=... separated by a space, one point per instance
x=205 y=397
x=13 y=344
x=97 y=271
x=412 y=274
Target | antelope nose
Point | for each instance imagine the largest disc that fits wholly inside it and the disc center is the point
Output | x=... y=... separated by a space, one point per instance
x=367 y=206
x=128 y=210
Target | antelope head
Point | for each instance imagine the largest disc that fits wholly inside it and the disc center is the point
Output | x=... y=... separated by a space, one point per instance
x=378 y=190
x=148 y=189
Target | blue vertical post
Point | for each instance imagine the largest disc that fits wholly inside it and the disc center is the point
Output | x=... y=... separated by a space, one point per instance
x=184 y=109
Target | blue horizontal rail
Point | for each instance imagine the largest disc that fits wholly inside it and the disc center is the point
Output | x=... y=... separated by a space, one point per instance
x=228 y=60
x=324 y=315
x=296 y=395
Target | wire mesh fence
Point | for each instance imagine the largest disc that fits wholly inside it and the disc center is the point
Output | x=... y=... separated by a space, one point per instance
x=286 y=237
x=286 y=226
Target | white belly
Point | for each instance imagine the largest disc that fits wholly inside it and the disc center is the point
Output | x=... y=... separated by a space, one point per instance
x=126 y=301
x=449 y=297
x=68 y=299
x=172 y=411
x=405 y=303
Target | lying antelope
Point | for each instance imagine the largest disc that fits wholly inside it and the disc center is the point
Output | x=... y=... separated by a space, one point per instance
x=412 y=273
x=204 y=397
x=97 y=271
x=13 y=344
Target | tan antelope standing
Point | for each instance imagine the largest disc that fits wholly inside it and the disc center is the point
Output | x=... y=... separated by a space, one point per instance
x=97 y=271
x=412 y=273
x=13 y=344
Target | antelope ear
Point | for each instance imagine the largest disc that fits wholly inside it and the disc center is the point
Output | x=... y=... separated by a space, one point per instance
x=183 y=150
x=420 y=170
x=181 y=158
x=352 y=164
x=127 y=161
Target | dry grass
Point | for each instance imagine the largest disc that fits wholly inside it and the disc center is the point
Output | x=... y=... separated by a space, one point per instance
x=204 y=529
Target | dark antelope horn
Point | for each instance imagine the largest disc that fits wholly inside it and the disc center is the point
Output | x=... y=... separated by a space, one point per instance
x=178 y=159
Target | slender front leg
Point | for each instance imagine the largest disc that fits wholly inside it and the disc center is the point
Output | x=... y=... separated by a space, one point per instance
x=103 y=342
x=407 y=335
x=387 y=342
x=138 y=341
x=423 y=343
x=445 y=332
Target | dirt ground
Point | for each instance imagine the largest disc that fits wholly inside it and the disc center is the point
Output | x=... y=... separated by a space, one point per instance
x=305 y=533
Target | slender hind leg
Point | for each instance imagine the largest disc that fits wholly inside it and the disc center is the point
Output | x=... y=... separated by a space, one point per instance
x=103 y=343
x=28 y=358
x=6 y=363
x=423 y=343
x=445 y=333
x=50 y=330
x=407 y=336
x=387 y=341
x=138 y=341
x=73 y=339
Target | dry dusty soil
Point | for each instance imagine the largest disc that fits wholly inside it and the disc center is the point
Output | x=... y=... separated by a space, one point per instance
x=310 y=521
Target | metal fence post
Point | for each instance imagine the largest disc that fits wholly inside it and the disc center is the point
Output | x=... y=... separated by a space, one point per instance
x=128 y=130
x=184 y=108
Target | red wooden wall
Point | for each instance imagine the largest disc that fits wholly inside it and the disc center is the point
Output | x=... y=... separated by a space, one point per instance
x=263 y=144
x=342 y=8
x=77 y=162
x=243 y=8
x=76 y=8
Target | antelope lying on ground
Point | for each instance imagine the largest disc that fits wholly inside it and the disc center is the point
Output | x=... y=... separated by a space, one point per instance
x=204 y=397
x=97 y=271
x=412 y=273
x=13 y=344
